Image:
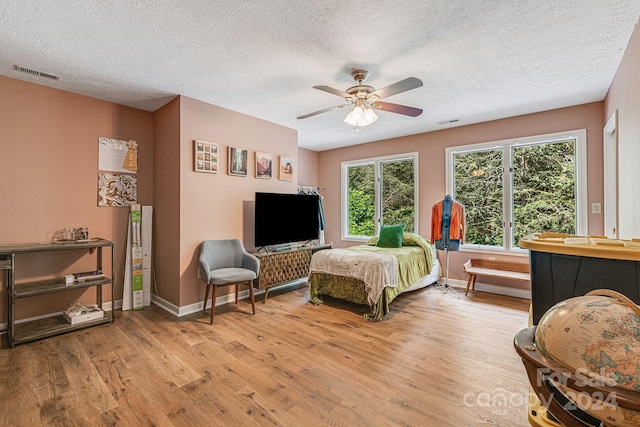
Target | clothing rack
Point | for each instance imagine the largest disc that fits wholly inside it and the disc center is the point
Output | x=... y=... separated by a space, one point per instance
x=308 y=189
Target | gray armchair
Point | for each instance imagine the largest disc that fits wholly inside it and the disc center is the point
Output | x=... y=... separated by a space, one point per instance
x=226 y=263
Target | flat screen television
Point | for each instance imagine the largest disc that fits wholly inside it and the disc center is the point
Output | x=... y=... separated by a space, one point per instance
x=285 y=218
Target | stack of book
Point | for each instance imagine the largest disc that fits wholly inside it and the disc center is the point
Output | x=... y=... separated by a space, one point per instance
x=88 y=275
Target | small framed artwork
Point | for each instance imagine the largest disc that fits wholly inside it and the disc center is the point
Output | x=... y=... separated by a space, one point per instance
x=238 y=161
x=263 y=165
x=286 y=168
x=205 y=156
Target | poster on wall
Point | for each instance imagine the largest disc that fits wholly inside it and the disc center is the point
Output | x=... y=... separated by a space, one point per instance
x=205 y=156
x=117 y=190
x=263 y=165
x=116 y=155
x=238 y=161
x=286 y=168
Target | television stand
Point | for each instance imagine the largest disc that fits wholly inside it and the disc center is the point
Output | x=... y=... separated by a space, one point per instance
x=284 y=266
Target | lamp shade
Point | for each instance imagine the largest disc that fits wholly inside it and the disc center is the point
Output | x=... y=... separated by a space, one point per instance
x=361 y=116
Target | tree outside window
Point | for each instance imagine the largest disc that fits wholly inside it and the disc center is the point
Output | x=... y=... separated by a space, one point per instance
x=514 y=188
x=379 y=191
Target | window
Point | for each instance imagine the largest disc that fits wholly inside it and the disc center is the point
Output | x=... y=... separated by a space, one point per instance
x=516 y=187
x=379 y=191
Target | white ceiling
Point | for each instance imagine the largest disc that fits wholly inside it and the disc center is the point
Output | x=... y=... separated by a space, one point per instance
x=479 y=60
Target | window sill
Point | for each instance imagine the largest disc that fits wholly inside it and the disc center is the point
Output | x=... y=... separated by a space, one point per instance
x=522 y=253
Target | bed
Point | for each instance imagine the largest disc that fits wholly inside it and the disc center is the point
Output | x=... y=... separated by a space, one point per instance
x=371 y=275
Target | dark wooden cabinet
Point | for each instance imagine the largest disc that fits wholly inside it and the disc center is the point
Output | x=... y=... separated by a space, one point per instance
x=277 y=268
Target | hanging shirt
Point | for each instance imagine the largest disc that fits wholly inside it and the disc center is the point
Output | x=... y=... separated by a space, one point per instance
x=456 y=224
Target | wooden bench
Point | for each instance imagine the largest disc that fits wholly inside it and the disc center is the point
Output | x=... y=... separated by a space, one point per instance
x=502 y=269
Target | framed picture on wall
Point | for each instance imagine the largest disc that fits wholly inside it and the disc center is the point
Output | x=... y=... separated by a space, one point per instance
x=286 y=168
x=205 y=156
x=238 y=161
x=264 y=165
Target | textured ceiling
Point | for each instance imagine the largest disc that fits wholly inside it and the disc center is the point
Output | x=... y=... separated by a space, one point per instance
x=479 y=60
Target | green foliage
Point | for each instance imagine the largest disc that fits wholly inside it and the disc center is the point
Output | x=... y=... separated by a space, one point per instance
x=361 y=213
x=398 y=193
x=478 y=186
x=543 y=191
x=397 y=204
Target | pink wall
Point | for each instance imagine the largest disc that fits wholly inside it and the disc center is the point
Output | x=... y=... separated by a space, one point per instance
x=220 y=206
x=49 y=166
x=166 y=196
x=624 y=95
x=431 y=154
x=309 y=169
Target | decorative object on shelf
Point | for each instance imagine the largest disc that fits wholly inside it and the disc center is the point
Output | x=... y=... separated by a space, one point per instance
x=117 y=190
x=205 y=156
x=238 y=158
x=286 y=168
x=83 y=233
x=264 y=165
x=78 y=313
x=71 y=234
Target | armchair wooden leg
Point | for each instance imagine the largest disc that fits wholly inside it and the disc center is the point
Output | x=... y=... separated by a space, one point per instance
x=253 y=301
x=236 y=293
x=206 y=296
x=213 y=303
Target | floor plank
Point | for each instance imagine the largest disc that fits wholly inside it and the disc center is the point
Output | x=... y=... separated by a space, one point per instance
x=438 y=358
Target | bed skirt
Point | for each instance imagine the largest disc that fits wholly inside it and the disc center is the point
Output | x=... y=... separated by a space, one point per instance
x=353 y=290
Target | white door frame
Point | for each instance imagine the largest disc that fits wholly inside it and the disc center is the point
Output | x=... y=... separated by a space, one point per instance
x=610 y=159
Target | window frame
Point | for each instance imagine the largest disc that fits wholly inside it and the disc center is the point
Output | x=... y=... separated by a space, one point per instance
x=377 y=162
x=506 y=145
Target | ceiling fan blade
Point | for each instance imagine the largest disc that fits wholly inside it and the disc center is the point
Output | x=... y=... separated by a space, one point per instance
x=331 y=90
x=315 y=113
x=398 y=87
x=398 y=109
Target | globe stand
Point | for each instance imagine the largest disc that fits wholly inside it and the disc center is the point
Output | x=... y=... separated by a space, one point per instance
x=544 y=375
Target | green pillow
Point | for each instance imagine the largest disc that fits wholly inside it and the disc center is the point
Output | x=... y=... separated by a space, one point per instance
x=391 y=236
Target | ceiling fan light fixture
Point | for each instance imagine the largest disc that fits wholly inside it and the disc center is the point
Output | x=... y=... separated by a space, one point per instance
x=361 y=116
x=369 y=117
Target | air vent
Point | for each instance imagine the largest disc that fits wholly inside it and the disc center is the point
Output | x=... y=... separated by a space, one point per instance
x=447 y=122
x=35 y=72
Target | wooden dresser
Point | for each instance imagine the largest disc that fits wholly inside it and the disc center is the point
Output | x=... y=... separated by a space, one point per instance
x=277 y=268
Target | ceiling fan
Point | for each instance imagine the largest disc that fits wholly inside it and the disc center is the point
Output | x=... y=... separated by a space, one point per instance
x=364 y=99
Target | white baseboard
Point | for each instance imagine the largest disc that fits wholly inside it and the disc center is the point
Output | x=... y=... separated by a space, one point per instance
x=225 y=299
x=198 y=306
x=493 y=289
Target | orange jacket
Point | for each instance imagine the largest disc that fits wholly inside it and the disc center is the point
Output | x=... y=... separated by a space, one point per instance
x=456 y=228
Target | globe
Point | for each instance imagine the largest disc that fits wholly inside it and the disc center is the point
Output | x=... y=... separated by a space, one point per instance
x=597 y=337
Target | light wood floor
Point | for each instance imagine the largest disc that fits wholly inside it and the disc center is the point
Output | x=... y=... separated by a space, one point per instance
x=436 y=360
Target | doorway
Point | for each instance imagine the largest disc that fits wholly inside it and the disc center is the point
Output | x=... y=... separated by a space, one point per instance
x=610 y=151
